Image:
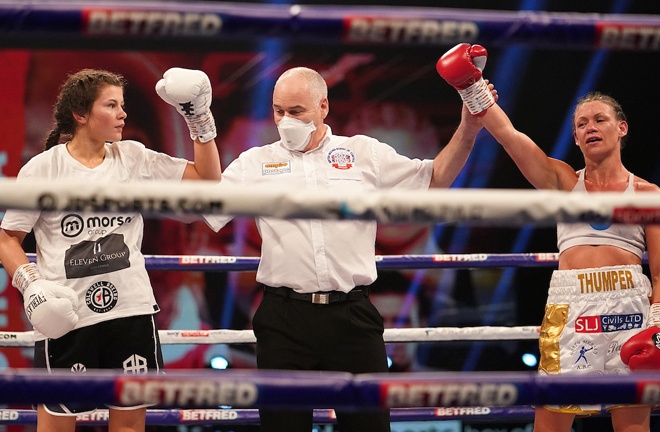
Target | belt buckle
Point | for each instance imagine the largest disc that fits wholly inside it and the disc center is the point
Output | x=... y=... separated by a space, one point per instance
x=320 y=298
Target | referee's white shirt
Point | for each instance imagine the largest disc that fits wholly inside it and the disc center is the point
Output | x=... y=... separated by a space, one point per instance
x=312 y=255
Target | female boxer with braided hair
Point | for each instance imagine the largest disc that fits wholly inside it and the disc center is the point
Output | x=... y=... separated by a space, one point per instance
x=599 y=297
x=88 y=296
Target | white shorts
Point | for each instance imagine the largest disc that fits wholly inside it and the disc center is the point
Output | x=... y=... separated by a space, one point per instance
x=589 y=314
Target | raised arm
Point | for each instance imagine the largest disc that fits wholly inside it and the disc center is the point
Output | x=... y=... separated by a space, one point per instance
x=206 y=162
x=451 y=159
x=462 y=68
x=540 y=170
x=189 y=91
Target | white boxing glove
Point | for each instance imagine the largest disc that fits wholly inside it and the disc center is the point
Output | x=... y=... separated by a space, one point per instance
x=50 y=306
x=189 y=91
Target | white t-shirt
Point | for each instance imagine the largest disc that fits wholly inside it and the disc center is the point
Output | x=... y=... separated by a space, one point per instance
x=96 y=254
x=321 y=255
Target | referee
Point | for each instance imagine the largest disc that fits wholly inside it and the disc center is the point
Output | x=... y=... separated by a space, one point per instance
x=315 y=313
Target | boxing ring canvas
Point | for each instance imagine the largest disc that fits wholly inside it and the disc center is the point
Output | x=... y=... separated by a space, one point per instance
x=379 y=65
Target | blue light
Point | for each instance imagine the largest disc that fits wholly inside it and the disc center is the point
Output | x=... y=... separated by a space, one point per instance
x=529 y=359
x=219 y=362
x=389 y=362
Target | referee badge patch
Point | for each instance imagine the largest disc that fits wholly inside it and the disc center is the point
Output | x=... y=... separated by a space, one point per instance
x=274 y=168
x=341 y=158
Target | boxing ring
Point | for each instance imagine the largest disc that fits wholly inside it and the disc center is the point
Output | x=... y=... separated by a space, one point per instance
x=195 y=397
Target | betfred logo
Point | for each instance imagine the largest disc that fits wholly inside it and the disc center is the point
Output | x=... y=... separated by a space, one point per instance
x=633 y=215
x=462 y=411
x=207 y=259
x=11 y=415
x=149 y=23
x=460 y=257
x=627 y=36
x=207 y=415
x=408 y=31
x=447 y=394
x=93 y=417
x=648 y=392
x=547 y=256
x=185 y=393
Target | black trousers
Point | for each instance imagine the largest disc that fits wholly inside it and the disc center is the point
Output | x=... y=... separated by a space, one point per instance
x=344 y=336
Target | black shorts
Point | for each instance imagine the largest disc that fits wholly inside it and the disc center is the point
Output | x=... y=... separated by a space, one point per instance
x=130 y=345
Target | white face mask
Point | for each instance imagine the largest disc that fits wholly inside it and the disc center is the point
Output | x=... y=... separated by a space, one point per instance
x=295 y=134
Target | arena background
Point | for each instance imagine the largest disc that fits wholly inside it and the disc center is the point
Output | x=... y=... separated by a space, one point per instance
x=388 y=89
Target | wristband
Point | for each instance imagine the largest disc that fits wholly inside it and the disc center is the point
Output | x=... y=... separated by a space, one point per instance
x=654 y=315
x=202 y=126
x=24 y=276
x=477 y=97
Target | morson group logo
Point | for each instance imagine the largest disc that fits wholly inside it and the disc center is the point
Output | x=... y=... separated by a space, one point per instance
x=73 y=224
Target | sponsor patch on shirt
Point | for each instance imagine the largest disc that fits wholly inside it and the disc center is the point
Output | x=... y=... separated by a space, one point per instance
x=582 y=354
x=273 y=168
x=101 y=256
x=608 y=323
x=101 y=297
x=341 y=158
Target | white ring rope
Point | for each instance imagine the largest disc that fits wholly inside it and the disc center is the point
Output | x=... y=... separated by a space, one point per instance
x=205 y=337
x=475 y=206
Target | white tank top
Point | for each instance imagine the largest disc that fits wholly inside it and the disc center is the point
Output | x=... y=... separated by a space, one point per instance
x=628 y=237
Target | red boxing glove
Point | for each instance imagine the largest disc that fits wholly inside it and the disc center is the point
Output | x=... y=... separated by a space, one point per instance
x=461 y=67
x=642 y=351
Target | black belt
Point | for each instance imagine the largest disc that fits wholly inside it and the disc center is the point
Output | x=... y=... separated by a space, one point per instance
x=321 y=297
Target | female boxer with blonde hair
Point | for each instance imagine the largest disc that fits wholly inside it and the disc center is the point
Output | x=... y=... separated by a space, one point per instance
x=600 y=272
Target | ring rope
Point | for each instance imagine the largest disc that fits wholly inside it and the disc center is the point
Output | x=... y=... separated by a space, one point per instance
x=345 y=25
x=390 y=335
x=383 y=262
x=474 y=206
x=171 y=417
x=313 y=389
x=229 y=416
